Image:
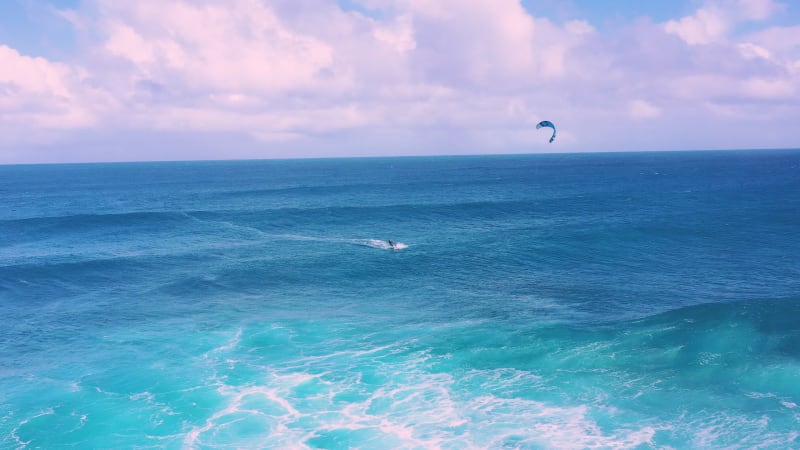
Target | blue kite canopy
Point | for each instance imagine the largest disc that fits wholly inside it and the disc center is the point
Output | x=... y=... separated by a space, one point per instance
x=547 y=123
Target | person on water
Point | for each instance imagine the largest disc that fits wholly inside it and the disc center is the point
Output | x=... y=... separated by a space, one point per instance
x=392 y=244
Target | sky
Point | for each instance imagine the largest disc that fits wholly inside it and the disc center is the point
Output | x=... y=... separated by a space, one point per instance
x=107 y=80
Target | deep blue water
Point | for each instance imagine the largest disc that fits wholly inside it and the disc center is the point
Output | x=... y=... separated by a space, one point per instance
x=639 y=300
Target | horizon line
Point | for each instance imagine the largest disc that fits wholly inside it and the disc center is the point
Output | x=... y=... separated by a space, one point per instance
x=443 y=155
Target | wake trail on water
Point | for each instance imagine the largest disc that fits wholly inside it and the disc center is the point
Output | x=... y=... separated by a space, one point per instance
x=372 y=243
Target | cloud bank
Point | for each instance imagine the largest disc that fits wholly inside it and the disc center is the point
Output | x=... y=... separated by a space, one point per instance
x=178 y=79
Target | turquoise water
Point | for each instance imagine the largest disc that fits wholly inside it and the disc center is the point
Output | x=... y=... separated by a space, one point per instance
x=643 y=300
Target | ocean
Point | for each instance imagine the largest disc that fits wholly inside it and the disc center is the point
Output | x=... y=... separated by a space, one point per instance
x=614 y=300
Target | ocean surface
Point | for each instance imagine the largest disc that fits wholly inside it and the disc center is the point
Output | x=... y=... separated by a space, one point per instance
x=620 y=300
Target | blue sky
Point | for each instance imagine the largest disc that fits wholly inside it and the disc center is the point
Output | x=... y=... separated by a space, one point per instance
x=34 y=28
x=104 y=80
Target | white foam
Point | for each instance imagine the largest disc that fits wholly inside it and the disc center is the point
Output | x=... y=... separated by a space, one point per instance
x=276 y=392
x=83 y=419
x=232 y=343
x=759 y=395
x=377 y=243
x=354 y=353
x=410 y=406
x=14 y=432
x=146 y=396
x=737 y=430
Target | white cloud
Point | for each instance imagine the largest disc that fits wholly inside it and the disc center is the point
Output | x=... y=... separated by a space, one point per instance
x=713 y=22
x=259 y=69
x=399 y=35
x=35 y=92
x=641 y=109
x=707 y=25
x=449 y=74
x=727 y=79
x=579 y=27
x=751 y=51
x=36 y=76
x=511 y=50
x=757 y=9
x=769 y=88
x=240 y=45
x=778 y=39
